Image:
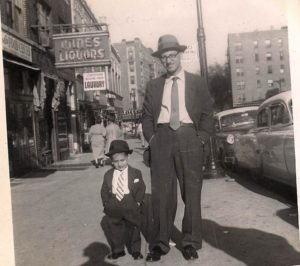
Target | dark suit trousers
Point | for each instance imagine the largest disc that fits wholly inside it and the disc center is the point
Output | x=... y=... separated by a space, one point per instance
x=176 y=155
x=122 y=224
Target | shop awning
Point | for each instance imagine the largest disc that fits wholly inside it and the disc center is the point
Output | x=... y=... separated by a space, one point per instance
x=21 y=64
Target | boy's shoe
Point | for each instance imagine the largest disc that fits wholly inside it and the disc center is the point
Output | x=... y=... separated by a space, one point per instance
x=137 y=255
x=114 y=256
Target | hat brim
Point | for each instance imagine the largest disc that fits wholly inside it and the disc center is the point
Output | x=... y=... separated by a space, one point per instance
x=180 y=48
x=119 y=151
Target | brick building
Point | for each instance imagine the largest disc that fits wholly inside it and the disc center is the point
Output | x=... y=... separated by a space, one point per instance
x=137 y=67
x=259 y=62
x=36 y=93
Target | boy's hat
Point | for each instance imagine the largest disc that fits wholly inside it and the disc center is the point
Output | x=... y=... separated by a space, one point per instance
x=118 y=146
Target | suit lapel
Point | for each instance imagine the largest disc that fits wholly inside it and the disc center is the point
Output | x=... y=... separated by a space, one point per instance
x=130 y=177
x=190 y=93
x=159 y=96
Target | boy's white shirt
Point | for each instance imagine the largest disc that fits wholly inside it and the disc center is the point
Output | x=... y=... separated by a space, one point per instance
x=116 y=175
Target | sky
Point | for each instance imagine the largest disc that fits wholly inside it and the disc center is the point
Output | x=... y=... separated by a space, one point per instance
x=149 y=19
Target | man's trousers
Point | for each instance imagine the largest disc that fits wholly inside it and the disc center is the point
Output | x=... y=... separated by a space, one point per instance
x=176 y=155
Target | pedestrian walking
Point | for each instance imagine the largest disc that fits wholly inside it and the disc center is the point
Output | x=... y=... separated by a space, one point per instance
x=97 y=135
x=177 y=121
x=122 y=193
x=141 y=134
x=113 y=132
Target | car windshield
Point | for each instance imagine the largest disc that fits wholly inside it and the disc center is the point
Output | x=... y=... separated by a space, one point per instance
x=238 y=119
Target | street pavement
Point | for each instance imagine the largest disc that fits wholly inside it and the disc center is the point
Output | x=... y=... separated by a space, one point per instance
x=57 y=214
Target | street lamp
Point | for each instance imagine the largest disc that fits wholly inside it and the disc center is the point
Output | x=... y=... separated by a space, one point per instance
x=214 y=168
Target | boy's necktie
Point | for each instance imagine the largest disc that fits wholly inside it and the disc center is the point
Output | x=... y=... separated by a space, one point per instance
x=174 y=117
x=120 y=187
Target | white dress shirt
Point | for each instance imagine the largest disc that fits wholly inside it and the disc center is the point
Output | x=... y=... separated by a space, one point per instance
x=116 y=175
x=165 y=111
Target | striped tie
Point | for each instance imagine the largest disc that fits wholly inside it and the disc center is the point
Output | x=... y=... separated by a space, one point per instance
x=120 y=187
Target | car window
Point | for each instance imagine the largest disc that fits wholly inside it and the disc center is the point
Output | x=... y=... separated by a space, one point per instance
x=238 y=119
x=279 y=114
x=217 y=125
x=262 y=118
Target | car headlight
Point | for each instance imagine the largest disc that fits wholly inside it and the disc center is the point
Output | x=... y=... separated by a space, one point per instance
x=230 y=139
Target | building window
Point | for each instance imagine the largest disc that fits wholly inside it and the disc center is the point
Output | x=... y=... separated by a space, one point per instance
x=239 y=59
x=280 y=43
x=43 y=13
x=258 y=83
x=131 y=67
x=132 y=80
x=268 y=56
x=270 y=70
x=255 y=44
x=281 y=69
x=256 y=56
x=270 y=83
x=281 y=57
x=257 y=70
x=239 y=72
x=241 y=85
x=268 y=43
x=282 y=83
x=238 y=46
x=241 y=98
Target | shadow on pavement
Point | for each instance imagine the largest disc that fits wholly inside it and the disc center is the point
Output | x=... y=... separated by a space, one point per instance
x=265 y=187
x=251 y=246
x=96 y=252
x=289 y=215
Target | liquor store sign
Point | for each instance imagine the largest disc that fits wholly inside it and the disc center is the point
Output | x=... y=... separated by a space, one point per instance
x=16 y=47
x=94 y=81
x=81 y=49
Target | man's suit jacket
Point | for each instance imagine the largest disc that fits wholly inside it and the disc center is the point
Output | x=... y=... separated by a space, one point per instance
x=197 y=100
x=136 y=185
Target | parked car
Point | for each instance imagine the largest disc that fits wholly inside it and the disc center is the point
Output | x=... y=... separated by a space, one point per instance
x=228 y=125
x=268 y=148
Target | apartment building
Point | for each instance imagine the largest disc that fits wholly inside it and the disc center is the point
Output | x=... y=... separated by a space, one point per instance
x=259 y=62
x=137 y=67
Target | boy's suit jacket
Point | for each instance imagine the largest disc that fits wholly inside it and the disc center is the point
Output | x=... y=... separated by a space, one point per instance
x=197 y=100
x=136 y=186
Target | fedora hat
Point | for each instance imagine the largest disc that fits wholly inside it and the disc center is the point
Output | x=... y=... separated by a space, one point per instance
x=166 y=43
x=118 y=146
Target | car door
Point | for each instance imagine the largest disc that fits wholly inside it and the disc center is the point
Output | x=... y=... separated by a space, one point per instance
x=273 y=143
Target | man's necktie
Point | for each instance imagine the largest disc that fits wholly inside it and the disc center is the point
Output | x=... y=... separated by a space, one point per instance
x=120 y=187
x=174 y=117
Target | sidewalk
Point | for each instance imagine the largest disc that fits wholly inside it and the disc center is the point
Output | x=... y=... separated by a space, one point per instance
x=56 y=220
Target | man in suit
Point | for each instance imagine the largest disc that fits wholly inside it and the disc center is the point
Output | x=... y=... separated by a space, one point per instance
x=122 y=193
x=177 y=122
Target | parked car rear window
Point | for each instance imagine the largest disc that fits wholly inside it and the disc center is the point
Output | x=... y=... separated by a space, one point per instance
x=238 y=119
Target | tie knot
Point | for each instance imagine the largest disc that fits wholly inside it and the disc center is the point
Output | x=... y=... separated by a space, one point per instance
x=175 y=79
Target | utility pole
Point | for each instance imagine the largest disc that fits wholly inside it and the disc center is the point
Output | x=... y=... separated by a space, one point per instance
x=214 y=170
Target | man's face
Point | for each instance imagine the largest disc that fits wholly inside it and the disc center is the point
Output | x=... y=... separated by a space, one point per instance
x=120 y=161
x=171 y=61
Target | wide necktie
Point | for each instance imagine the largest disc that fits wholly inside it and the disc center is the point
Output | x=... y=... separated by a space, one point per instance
x=174 y=117
x=120 y=187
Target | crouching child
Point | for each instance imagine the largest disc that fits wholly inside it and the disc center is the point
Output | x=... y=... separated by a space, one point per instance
x=122 y=193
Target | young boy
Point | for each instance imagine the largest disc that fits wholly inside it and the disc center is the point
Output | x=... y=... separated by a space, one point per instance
x=122 y=192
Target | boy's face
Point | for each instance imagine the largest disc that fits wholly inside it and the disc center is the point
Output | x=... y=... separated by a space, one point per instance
x=120 y=161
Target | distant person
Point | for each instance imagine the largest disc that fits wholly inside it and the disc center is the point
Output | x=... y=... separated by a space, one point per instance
x=141 y=134
x=113 y=132
x=97 y=135
x=177 y=122
x=122 y=193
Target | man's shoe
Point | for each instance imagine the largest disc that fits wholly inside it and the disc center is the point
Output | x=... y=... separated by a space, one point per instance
x=155 y=254
x=114 y=256
x=189 y=252
x=137 y=255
